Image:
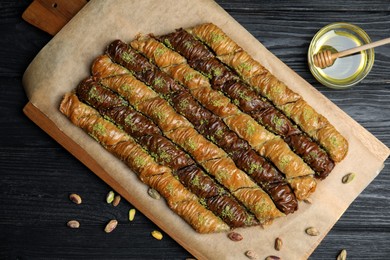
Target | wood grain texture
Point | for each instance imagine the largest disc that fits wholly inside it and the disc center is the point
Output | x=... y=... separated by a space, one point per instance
x=52 y=15
x=37 y=174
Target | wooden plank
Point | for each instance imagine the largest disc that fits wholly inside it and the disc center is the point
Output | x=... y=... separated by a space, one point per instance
x=51 y=15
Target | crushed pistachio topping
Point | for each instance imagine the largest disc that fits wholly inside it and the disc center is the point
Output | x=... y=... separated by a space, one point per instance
x=333 y=140
x=183 y=104
x=307 y=114
x=217 y=72
x=211 y=138
x=227 y=212
x=204 y=121
x=250 y=128
x=287 y=112
x=248 y=220
x=168 y=43
x=208 y=75
x=243 y=96
x=192 y=144
x=254 y=167
x=313 y=155
x=170 y=189
x=217 y=102
x=201 y=219
x=159 y=114
x=221 y=191
x=189 y=76
x=159 y=82
x=278 y=122
x=94 y=94
x=203 y=202
x=284 y=161
x=222 y=175
x=216 y=37
x=236 y=102
x=188 y=44
x=277 y=89
x=129 y=122
x=127 y=89
x=160 y=51
x=94 y=137
x=99 y=129
x=219 y=133
x=195 y=181
x=127 y=57
x=244 y=67
x=139 y=162
x=164 y=156
x=154 y=155
x=262 y=207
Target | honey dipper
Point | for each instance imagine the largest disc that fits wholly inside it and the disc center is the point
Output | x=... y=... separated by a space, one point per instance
x=326 y=58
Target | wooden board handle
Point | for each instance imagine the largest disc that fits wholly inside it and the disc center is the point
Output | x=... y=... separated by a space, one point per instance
x=51 y=15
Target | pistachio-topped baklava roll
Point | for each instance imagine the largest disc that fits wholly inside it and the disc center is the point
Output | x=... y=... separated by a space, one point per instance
x=269 y=86
x=179 y=199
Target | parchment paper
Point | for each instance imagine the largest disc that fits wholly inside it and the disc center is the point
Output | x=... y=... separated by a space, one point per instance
x=67 y=58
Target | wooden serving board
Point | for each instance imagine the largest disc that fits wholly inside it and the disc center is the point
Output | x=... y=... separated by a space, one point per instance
x=65 y=60
x=51 y=15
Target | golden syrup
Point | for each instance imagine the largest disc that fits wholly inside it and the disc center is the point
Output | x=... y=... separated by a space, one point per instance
x=345 y=71
x=346 y=68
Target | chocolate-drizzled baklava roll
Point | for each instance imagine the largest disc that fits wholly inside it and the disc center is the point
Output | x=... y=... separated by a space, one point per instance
x=179 y=199
x=269 y=86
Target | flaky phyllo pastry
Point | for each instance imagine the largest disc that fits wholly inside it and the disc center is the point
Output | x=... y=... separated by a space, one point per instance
x=213 y=131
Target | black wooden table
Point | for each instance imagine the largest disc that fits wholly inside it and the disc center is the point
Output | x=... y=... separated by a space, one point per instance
x=37 y=174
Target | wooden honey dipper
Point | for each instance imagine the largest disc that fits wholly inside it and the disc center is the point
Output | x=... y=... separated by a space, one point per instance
x=326 y=58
